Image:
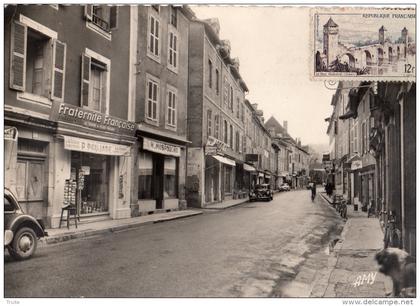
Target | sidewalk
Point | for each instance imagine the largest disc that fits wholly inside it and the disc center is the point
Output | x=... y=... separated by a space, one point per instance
x=108 y=226
x=226 y=204
x=352 y=270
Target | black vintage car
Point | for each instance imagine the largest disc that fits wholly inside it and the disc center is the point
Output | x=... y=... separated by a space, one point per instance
x=261 y=192
x=21 y=231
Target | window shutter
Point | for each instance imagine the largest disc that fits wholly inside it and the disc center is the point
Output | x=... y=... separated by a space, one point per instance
x=59 y=70
x=88 y=11
x=18 y=56
x=104 y=105
x=84 y=89
x=113 y=17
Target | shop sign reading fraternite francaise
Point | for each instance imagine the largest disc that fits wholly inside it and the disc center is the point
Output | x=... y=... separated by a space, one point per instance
x=62 y=112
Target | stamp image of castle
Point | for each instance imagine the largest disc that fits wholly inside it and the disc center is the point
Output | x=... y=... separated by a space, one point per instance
x=356 y=53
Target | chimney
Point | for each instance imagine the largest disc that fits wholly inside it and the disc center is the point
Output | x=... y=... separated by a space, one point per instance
x=285 y=125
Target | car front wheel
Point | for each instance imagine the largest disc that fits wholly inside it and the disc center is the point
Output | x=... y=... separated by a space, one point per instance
x=24 y=244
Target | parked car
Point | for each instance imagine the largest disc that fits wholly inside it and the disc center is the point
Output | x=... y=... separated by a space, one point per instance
x=21 y=231
x=284 y=187
x=261 y=192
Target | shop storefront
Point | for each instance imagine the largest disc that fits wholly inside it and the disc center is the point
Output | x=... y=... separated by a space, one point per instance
x=26 y=167
x=249 y=172
x=91 y=158
x=158 y=176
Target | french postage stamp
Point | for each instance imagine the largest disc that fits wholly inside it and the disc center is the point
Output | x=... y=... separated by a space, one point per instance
x=363 y=43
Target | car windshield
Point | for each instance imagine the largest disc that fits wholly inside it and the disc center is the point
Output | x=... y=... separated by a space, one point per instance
x=261 y=187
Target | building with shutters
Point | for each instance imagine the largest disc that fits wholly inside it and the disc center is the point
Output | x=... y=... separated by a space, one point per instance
x=69 y=102
x=216 y=169
x=160 y=44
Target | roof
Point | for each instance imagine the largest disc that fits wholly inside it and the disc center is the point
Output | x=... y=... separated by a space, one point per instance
x=330 y=23
x=278 y=128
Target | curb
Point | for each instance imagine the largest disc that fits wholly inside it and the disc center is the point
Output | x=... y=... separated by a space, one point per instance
x=117 y=228
x=222 y=208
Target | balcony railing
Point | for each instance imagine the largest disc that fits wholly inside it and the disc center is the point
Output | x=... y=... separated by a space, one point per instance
x=104 y=25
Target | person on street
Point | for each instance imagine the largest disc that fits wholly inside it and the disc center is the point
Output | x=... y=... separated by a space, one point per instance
x=313 y=191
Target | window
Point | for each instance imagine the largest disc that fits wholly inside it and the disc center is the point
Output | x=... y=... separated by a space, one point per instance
x=210 y=73
x=174 y=16
x=101 y=18
x=363 y=138
x=216 y=126
x=244 y=148
x=225 y=132
x=37 y=61
x=237 y=108
x=95 y=78
x=152 y=99
x=145 y=176
x=209 y=122
x=171 y=110
x=231 y=136
x=173 y=51
x=153 y=48
x=8 y=205
x=170 y=178
x=237 y=142
x=217 y=82
x=226 y=93
x=231 y=98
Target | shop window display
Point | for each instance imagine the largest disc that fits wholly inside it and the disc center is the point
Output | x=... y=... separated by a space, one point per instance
x=145 y=186
x=91 y=171
x=170 y=190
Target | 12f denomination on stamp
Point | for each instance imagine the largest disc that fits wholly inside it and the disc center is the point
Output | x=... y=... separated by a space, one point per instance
x=363 y=43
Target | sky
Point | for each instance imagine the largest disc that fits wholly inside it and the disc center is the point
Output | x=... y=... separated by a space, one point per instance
x=272 y=44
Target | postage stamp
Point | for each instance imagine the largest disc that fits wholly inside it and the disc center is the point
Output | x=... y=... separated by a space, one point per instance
x=363 y=43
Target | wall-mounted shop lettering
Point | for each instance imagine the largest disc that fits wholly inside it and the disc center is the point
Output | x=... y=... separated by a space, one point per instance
x=63 y=112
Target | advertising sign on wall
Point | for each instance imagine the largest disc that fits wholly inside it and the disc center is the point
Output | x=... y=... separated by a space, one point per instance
x=62 y=112
x=96 y=147
x=161 y=147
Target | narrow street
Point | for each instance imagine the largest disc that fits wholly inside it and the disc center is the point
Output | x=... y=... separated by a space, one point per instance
x=249 y=250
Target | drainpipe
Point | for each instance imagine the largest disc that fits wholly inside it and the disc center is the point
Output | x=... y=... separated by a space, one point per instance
x=403 y=233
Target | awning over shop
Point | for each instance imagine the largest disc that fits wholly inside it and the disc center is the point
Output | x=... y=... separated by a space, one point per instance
x=225 y=160
x=249 y=168
x=260 y=174
x=93 y=146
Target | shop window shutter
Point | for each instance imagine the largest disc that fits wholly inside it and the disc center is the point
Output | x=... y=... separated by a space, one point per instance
x=84 y=89
x=18 y=56
x=88 y=11
x=113 y=17
x=59 y=70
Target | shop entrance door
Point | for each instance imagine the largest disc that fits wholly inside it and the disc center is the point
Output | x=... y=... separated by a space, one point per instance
x=158 y=167
x=30 y=186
